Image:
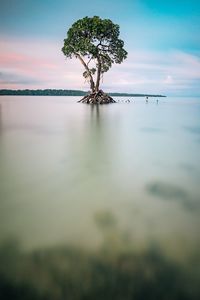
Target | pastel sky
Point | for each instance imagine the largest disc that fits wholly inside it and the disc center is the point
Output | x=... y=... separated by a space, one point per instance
x=161 y=36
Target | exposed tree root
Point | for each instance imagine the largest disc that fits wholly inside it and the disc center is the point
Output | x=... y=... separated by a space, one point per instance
x=97 y=98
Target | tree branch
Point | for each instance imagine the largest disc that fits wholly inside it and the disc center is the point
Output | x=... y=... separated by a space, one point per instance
x=92 y=86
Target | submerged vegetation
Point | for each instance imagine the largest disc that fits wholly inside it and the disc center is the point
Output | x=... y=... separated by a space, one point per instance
x=71 y=273
x=109 y=272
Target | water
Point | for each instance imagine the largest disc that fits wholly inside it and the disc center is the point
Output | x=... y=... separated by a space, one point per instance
x=119 y=176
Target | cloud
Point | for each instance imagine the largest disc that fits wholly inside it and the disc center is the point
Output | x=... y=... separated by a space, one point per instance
x=168 y=79
x=41 y=64
x=172 y=73
x=7 y=78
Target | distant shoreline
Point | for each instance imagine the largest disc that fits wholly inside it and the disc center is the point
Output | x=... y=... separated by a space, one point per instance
x=60 y=92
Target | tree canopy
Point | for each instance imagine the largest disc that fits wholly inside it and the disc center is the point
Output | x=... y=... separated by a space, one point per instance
x=95 y=42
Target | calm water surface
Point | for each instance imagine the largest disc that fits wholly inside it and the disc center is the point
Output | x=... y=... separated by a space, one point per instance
x=61 y=162
x=69 y=171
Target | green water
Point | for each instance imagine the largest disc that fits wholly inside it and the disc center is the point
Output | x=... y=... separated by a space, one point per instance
x=115 y=178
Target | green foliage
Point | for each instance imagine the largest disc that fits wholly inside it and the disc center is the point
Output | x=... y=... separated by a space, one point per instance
x=88 y=72
x=98 y=41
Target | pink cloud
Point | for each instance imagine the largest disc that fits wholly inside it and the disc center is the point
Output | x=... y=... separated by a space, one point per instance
x=41 y=64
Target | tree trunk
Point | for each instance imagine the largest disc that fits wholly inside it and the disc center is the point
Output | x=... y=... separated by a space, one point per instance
x=98 y=75
x=96 y=96
x=92 y=85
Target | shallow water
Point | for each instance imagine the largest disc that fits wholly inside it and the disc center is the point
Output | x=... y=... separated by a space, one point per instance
x=62 y=162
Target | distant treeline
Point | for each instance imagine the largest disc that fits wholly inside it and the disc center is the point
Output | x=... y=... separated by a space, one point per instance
x=54 y=92
x=46 y=92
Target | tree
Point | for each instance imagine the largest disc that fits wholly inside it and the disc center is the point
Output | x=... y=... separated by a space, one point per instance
x=95 y=42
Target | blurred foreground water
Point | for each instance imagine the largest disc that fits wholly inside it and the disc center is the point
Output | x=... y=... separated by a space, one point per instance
x=99 y=201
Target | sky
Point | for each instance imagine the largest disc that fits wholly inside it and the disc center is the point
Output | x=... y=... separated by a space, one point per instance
x=161 y=36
